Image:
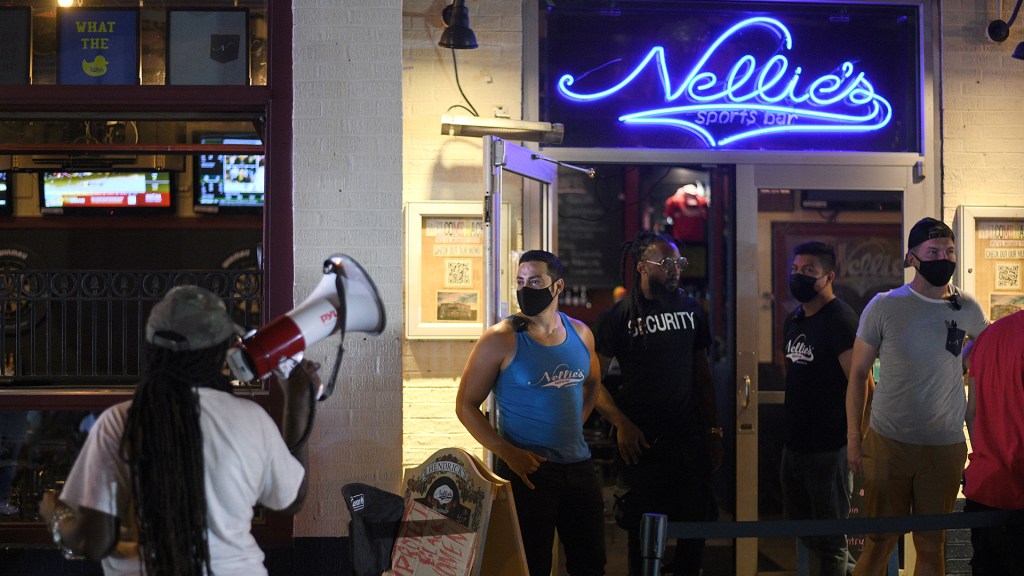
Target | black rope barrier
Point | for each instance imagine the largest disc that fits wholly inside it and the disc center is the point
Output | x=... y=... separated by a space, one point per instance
x=656 y=529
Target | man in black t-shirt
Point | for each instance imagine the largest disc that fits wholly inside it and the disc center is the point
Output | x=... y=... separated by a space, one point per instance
x=818 y=344
x=664 y=412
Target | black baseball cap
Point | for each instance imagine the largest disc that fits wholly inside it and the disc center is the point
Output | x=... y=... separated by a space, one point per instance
x=926 y=229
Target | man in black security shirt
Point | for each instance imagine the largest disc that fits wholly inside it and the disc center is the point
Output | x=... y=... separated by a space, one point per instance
x=664 y=412
x=818 y=344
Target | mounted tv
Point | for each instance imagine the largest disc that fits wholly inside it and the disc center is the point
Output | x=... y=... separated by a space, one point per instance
x=6 y=197
x=95 y=193
x=226 y=181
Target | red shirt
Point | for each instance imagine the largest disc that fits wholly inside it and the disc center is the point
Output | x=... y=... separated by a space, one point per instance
x=688 y=212
x=995 y=475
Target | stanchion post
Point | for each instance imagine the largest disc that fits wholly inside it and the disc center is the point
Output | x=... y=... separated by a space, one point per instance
x=653 y=532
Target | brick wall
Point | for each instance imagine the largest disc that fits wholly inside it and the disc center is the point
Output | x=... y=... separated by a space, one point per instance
x=447 y=168
x=982 y=102
x=347 y=178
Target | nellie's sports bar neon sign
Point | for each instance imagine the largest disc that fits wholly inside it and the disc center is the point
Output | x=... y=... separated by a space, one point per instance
x=755 y=97
x=776 y=77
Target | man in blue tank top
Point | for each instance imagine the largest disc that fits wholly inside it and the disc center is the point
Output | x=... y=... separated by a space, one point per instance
x=541 y=366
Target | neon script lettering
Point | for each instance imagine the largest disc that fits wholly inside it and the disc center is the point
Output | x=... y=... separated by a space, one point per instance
x=754 y=97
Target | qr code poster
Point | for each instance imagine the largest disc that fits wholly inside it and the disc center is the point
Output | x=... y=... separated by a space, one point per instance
x=1007 y=276
x=458 y=306
x=458 y=273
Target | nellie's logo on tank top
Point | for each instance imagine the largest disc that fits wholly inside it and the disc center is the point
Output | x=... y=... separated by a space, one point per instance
x=559 y=377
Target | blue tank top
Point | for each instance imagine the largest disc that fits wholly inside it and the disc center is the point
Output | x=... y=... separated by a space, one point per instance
x=540 y=397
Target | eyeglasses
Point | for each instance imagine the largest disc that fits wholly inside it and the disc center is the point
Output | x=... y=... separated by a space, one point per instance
x=668 y=264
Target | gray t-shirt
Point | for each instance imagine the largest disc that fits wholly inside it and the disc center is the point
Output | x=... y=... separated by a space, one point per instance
x=920 y=395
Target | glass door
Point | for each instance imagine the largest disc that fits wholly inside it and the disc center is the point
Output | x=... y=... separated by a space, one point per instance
x=859 y=211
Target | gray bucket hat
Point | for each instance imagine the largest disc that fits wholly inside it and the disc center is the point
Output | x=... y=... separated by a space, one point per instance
x=189 y=318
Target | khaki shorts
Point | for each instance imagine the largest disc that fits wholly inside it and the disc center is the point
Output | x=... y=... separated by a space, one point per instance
x=903 y=479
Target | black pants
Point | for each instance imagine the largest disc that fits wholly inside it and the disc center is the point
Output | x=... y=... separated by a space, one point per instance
x=997 y=549
x=673 y=478
x=567 y=497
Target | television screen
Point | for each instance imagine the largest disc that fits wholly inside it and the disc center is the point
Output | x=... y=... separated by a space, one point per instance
x=228 y=181
x=6 y=197
x=106 y=192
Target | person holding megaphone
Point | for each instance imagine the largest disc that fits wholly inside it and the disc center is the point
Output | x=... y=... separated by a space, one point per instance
x=166 y=483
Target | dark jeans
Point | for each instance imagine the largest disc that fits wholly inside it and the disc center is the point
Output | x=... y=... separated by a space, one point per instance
x=673 y=478
x=568 y=498
x=817 y=486
x=997 y=549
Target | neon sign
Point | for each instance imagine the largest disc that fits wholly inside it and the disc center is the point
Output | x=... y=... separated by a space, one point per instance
x=753 y=97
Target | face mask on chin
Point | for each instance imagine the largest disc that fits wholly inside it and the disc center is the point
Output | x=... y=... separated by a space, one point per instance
x=802 y=288
x=533 y=301
x=936 y=272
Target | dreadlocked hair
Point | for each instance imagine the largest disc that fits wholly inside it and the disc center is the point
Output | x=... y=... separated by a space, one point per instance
x=634 y=251
x=163 y=445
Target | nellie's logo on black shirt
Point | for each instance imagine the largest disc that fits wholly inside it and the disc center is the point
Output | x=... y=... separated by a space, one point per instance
x=798 y=351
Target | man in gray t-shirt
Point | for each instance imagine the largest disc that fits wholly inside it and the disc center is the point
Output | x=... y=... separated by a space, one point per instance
x=913 y=453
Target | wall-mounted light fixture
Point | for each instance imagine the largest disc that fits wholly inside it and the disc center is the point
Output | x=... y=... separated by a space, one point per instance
x=522 y=130
x=457 y=35
x=999 y=31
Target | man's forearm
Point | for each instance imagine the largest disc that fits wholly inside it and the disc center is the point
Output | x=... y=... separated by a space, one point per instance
x=856 y=402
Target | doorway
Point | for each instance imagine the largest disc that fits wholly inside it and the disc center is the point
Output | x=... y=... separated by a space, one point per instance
x=741 y=223
x=860 y=211
x=695 y=205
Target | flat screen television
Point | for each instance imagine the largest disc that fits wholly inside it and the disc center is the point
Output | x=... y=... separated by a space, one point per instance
x=6 y=195
x=226 y=182
x=148 y=192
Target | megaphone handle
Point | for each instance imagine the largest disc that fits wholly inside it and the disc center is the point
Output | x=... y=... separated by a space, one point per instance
x=329 y=389
x=313 y=393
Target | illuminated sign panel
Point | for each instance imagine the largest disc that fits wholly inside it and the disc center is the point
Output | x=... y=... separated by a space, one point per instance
x=772 y=76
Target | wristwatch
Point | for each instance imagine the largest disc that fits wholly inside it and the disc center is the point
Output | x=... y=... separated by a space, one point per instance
x=716 y=431
x=61 y=514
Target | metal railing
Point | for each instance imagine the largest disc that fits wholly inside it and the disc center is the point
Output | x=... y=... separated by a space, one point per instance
x=87 y=327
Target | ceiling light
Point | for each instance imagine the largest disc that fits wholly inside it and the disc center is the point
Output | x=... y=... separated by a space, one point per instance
x=522 y=130
x=457 y=35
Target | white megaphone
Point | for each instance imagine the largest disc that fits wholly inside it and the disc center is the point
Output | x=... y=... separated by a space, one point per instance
x=345 y=300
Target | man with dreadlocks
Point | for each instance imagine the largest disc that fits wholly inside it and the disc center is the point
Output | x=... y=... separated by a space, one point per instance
x=165 y=484
x=664 y=415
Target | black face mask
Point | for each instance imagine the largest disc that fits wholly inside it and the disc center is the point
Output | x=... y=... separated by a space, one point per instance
x=801 y=287
x=533 y=301
x=936 y=272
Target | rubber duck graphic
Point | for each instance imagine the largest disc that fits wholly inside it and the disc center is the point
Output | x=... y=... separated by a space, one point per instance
x=98 y=67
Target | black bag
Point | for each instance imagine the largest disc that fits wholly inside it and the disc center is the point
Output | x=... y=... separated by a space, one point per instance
x=376 y=516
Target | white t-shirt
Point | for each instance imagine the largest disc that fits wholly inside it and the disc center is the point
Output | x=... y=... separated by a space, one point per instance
x=920 y=396
x=246 y=462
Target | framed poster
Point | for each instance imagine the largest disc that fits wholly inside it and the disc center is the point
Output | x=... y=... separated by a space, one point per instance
x=15 y=34
x=208 y=47
x=869 y=258
x=445 y=269
x=990 y=262
x=98 y=45
x=444 y=252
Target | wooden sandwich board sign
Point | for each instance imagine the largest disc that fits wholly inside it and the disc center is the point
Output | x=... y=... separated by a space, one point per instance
x=459 y=520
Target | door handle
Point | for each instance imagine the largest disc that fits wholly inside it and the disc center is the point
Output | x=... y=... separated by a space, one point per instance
x=746 y=390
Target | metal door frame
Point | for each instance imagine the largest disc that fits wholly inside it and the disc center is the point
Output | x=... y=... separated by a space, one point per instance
x=541 y=182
